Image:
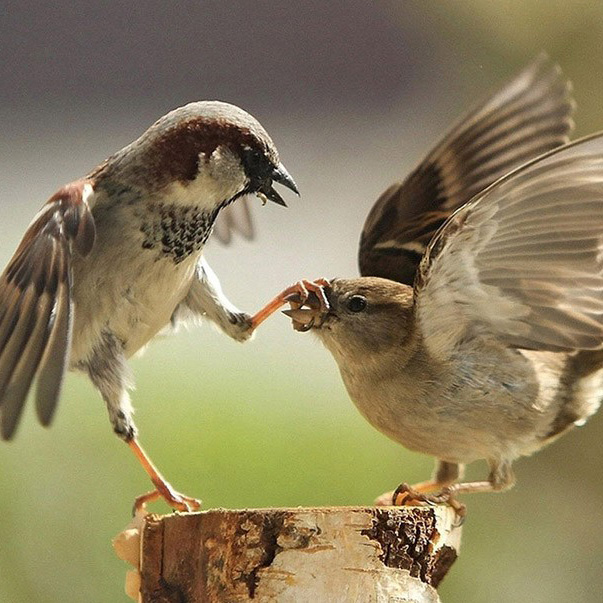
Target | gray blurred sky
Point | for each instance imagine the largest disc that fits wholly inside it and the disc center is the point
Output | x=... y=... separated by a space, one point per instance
x=335 y=83
x=275 y=54
x=352 y=92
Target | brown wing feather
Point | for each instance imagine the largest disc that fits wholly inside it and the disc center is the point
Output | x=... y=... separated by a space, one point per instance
x=55 y=358
x=523 y=261
x=35 y=304
x=528 y=116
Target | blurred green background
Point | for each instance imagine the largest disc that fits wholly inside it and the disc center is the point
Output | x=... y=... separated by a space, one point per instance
x=354 y=93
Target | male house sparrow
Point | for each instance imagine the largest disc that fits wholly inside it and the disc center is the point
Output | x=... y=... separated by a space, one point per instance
x=112 y=258
x=497 y=348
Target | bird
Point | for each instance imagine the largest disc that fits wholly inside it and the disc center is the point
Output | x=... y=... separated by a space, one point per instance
x=116 y=257
x=475 y=331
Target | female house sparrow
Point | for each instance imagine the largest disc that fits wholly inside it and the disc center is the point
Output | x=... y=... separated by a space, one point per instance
x=497 y=348
x=112 y=258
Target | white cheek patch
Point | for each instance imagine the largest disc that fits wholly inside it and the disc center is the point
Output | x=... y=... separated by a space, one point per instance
x=224 y=165
x=224 y=169
x=219 y=178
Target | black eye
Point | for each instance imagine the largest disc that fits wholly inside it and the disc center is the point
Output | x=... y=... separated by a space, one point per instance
x=258 y=170
x=357 y=303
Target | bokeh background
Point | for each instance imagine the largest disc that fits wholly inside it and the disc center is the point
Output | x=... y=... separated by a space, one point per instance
x=354 y=93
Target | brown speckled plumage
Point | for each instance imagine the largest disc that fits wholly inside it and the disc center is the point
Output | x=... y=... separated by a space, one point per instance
x=497 y=349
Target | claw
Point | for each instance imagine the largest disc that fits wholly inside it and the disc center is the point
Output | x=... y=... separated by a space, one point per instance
x=297 y=295
x=174 y=499
x=317 y=287
x=405 y=495
x=294 y=298
x=163 y=488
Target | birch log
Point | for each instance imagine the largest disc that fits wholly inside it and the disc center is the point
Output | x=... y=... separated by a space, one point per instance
x=297 y=555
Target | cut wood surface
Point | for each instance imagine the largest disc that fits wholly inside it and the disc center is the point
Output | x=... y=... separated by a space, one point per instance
x=355 y=554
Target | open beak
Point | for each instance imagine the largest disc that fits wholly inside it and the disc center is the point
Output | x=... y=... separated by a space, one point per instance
x=303 y=318
x=280 y=175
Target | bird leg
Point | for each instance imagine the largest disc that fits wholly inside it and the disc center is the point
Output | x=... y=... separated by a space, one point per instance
x=206 y=300
x=298 y=294
x=109 y=372
x=445 y=473
x=501 y=478
x=399 y=496
x=406 y=495
x=164 y=490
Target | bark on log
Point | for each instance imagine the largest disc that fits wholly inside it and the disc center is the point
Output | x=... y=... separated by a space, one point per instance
x=347 y=554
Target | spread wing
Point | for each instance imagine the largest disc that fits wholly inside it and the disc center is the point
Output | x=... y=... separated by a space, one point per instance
x=36 y=308
x=528 y=116
x=235 y=218
x=523 y=262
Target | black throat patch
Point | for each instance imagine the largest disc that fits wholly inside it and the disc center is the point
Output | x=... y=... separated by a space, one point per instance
x=176 y=231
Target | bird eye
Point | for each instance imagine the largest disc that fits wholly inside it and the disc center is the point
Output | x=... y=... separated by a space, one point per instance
x=357 y=303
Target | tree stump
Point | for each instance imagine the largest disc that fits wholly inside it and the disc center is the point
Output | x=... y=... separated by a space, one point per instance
x=296 y=555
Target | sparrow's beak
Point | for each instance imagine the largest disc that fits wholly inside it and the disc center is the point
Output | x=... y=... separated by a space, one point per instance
x=280 y=175
x=303 y=318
